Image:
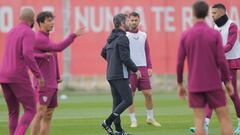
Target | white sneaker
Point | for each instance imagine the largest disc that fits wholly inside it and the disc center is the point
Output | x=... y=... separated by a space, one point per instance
x=153 y=122
x=133 y=124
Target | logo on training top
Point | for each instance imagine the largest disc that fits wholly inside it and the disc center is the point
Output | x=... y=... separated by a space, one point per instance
x=45 y=98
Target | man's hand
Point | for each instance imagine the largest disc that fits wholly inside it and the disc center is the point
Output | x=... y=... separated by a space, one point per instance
x=138 y=74
x=150 y=72
x=59 y=81
x=182 y=92
x=80 y=31
x=229 y=88
x=41 y=82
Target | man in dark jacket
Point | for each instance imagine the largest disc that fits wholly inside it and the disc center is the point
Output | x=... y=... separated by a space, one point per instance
x=117 y=54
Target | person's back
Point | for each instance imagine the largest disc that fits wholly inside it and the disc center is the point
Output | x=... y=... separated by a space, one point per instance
x=201 y=44
x=13 y=64
x=14 y=78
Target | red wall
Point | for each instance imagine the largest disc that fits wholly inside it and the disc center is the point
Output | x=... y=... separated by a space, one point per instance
x=163 y=20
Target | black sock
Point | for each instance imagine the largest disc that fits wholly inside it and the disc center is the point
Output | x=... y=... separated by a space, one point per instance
x=117 y=123
x=111 y=118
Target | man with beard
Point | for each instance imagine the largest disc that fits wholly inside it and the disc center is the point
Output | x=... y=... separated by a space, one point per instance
x=140 y=54
x=117 y=54
x=14 y=78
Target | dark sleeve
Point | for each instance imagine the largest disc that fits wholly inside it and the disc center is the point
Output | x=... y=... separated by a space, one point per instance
x=104 y=52
x=232 y=37
x=221 y=60
x=56 y=47
x=180 y=60
x=124 y=53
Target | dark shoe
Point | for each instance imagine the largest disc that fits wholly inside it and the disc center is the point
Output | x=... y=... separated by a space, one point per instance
x=121 y=133
x=107 y=128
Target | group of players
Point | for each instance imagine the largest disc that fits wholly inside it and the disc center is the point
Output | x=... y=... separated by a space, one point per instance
x=213 y=55
x=209 y=52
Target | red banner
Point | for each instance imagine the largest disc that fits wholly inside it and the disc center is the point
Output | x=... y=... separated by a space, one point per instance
x=163 y=20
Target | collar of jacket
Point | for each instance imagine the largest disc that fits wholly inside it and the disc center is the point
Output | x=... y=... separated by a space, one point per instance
x=221 y=21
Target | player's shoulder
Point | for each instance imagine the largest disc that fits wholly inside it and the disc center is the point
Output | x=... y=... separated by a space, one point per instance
x=123 y=38
x=233 y=25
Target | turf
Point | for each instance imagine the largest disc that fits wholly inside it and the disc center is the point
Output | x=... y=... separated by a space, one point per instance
x=81 y=114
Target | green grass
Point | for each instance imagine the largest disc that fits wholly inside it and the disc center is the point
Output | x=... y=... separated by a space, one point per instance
x=81 y=114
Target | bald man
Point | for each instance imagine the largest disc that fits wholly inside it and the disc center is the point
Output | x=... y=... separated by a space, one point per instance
x=14 y=77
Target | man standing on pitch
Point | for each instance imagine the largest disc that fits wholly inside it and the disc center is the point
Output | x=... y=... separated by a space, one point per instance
x=203 y=48
x=14 y=77
x=140 y=54
x=229 y=32
x=117 y=54
x=47 y=61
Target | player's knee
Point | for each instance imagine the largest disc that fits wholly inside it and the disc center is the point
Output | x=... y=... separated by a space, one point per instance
x=48 y=117
x=147 y=94
x=129 y=101
x=13 y=112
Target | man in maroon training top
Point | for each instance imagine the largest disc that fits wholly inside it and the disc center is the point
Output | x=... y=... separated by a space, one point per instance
x=204 y=50
x=47 y=96
x=14 y=77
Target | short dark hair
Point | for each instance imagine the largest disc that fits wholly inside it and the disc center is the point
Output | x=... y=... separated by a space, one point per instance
x=135 y=14
x=44 y=15
x=200 y=9
x=219 y=6
x=119 y=19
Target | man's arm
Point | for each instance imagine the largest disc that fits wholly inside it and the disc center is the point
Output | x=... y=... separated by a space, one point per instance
x=124 y=53
x=58 y=47
x=104 y=52
x=28 y=43
x=180 y=61
x=148 y=56
x=232 y=37
x=221 y=60
x=180 y=66
x=41 y=55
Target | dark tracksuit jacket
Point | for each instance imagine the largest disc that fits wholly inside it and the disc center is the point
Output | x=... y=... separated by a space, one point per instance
x=117 y=54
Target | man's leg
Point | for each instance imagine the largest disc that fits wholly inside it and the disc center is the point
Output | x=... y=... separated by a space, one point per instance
x=122 y=87
x=46 y=122
x=132 y=115
x=13 y=108
x=225 y=121
x=41 y=110
x=208 y=112
x=112 y=117
x=149 y=106
x=25 y=95
x=235 y=98
x=199 y=116
x=47 y=118
x=131 y=109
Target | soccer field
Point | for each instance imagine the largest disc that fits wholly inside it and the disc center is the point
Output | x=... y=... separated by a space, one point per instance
x=81 y=114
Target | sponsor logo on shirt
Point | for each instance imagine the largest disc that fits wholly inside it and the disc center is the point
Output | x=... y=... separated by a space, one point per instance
x=45 y=98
